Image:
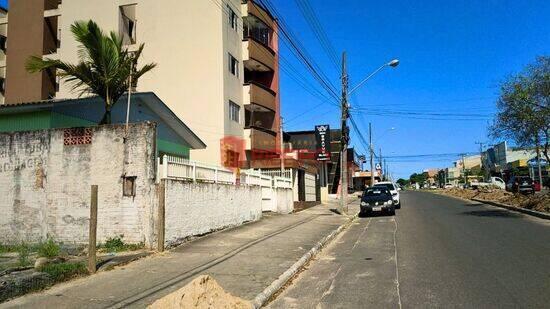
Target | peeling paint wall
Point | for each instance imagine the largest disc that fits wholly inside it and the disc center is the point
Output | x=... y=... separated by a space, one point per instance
x=198 y=208
x=45 y=184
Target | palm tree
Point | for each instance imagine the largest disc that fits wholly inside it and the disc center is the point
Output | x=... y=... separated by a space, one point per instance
x=103 y=69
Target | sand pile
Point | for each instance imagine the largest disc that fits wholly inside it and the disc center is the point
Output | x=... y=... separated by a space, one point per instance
x=538 y=202
x=203 y=292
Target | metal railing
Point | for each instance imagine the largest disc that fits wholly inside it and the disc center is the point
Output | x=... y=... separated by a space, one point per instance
x=172 y=167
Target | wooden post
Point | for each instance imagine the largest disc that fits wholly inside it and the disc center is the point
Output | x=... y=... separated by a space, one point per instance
x=161 y=215
x=92 y=237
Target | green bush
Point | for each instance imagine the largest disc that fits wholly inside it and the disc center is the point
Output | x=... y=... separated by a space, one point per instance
x=64 y=271
x=48 y=249
x=116 y=244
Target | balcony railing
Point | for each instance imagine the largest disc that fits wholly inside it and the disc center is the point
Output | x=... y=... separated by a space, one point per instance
x=255 y=93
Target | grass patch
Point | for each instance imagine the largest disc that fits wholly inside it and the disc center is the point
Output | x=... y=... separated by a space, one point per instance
x=7 y=248
x=65 y=271
x=117 y=244
x=48 y=249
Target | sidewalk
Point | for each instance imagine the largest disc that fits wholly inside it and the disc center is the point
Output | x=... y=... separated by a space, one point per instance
x=244 y=260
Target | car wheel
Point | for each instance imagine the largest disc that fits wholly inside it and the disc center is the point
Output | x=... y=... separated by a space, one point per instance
x=398 y=206
x=392 y=212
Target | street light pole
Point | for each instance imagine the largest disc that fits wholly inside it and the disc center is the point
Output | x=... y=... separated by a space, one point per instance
x=344 y=139
x=371 y=156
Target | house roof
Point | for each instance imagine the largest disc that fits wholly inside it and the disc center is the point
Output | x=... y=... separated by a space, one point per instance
x=141 y=104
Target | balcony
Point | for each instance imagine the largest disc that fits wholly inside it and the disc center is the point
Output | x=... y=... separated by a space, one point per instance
x=257 y=57
x=255 y=93
x=261 y=141
x=252 y=9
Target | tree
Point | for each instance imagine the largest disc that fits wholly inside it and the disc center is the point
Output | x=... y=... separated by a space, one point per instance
x=523 y=108
x=418 y=178
x=104 y=66
x=402 y=182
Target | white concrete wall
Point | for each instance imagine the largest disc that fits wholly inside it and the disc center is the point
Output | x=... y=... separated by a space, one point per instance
x=310 y=187
x=45 y=184
x=284 y=200
x=190 y=41
x=198 y=208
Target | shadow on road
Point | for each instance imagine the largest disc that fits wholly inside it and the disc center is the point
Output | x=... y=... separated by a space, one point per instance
x=376 y=214
x=492 y=213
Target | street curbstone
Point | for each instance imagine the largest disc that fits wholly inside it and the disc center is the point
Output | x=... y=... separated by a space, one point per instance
x=276 y=285
x=530 y=212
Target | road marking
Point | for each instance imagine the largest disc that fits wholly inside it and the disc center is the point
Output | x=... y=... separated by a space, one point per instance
x=396 y=265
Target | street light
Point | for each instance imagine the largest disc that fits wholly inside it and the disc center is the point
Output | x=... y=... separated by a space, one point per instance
x=394 y=63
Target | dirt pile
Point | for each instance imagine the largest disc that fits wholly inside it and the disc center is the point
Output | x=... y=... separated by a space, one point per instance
x=538 y=202
x=204 y=293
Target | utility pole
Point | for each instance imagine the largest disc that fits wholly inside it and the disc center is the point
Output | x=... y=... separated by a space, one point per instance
x=380 y=162
x=371 y=156
x=464 y=170
x=482 y=164
x=344 y=139
x=282 y=145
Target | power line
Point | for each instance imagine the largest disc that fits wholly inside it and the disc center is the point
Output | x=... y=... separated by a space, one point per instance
x=317 y=29
x=299 y=51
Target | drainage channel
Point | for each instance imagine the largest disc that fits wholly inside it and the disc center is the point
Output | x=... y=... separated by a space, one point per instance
x=197 y=270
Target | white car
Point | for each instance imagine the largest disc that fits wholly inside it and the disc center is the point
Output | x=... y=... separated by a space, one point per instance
x=393 y=190
x=449 y=186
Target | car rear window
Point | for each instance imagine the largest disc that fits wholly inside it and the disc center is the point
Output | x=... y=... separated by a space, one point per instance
x=376 y=191
x=388 y=186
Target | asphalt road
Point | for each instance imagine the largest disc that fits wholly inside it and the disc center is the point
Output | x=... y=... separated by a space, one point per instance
x=436 y=252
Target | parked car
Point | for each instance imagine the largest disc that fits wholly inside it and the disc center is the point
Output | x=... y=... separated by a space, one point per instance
x=377 y=199
x=521 y=184
x=448 y=186
x=496 y=182
x=393 y=190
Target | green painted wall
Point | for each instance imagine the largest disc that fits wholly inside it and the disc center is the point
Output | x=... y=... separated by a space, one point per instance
x=64 y=121
x=25 y=121
x=172 y=148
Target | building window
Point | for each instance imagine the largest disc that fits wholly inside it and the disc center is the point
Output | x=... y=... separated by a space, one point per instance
x=232 y=18
x=234 y=111
x=233 y=65
x=129 y=185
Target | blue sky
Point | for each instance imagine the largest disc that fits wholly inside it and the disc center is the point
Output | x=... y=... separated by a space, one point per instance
x=453 y=55
x=4 y=3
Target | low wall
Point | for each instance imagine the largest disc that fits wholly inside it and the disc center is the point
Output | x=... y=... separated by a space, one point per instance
x=46 y=175
x=199 y=208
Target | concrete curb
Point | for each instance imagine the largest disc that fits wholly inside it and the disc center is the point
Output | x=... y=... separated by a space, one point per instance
x=276 y=285
x=517 y=209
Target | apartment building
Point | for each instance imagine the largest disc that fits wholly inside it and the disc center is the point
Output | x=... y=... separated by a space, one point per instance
x=203 y=60
x=261 y=86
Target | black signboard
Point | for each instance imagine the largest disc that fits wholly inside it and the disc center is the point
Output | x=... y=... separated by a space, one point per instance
x=322 y=136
